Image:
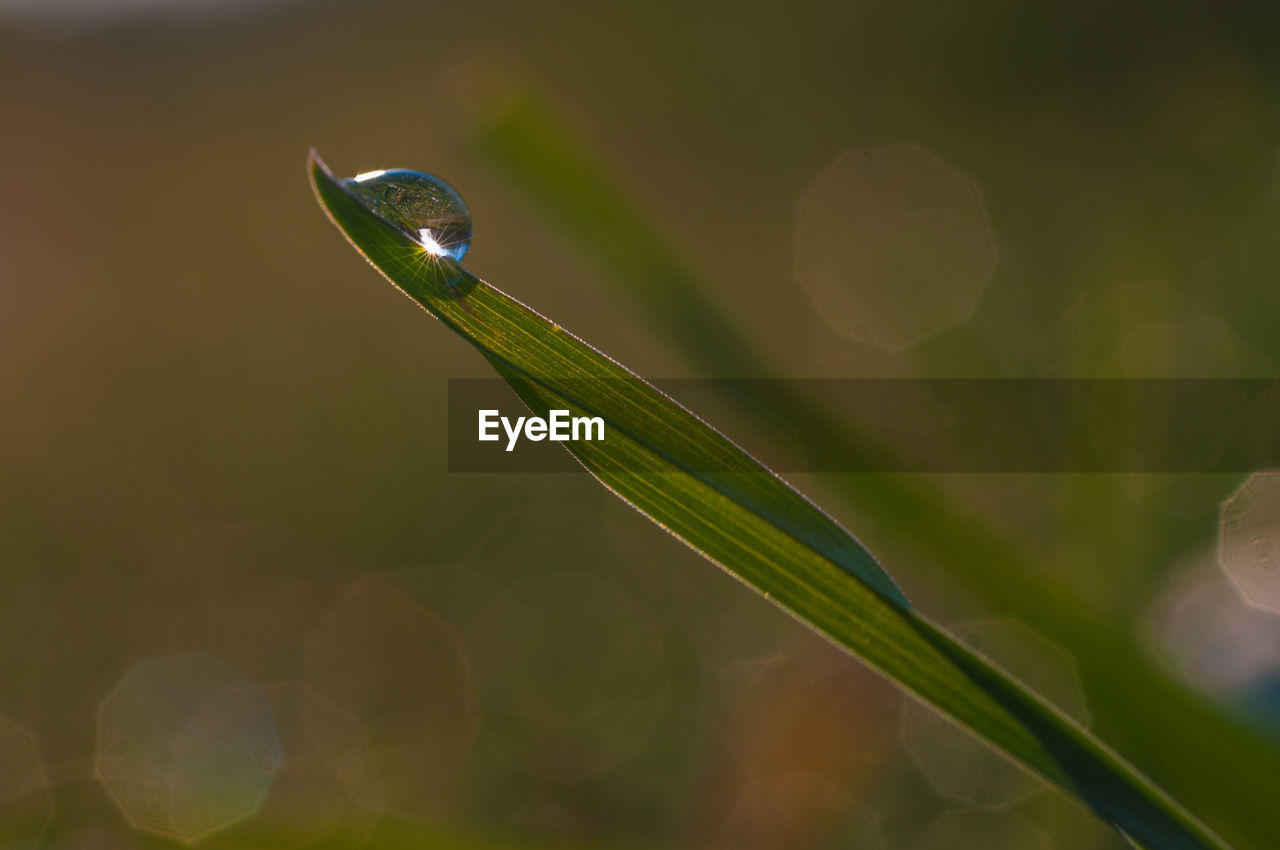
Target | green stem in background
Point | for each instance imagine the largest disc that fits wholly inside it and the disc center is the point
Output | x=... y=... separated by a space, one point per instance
x=1184 y=741
x=704 y=490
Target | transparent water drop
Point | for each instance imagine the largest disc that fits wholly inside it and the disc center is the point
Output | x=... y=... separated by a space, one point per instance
x=422 y=206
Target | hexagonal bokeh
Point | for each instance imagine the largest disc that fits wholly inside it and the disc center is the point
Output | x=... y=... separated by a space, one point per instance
x=399 y=670
x=893 y=245
x=960 y=765
x=1202 y=626
x=187 y=746
x=327 y=790
x=1249 y=539
x=973 y=829
x=802 y=810
x=570 y=674
x=25 y=804
x=781 y=701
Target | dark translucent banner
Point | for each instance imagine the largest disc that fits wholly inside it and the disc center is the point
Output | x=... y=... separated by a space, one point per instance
x=944 y=425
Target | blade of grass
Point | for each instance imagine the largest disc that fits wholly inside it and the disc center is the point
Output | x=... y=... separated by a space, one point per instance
x=527 y=141
x=760 y=530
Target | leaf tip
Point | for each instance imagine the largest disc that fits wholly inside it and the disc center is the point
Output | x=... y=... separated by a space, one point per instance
x=316 y=168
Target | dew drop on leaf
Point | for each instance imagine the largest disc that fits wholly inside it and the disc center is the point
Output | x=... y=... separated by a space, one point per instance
x=421 y=205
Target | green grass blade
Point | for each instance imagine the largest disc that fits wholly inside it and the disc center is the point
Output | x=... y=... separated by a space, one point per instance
x=761 y=530
x=1138 y=701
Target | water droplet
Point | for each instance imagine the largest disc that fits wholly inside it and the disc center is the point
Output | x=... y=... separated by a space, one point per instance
x=423 y=206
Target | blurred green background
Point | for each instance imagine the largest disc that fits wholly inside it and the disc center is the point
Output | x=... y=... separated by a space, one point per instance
x=245 y=605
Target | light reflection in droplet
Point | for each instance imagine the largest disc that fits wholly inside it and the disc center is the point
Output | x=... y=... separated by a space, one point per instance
x=420 y=205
